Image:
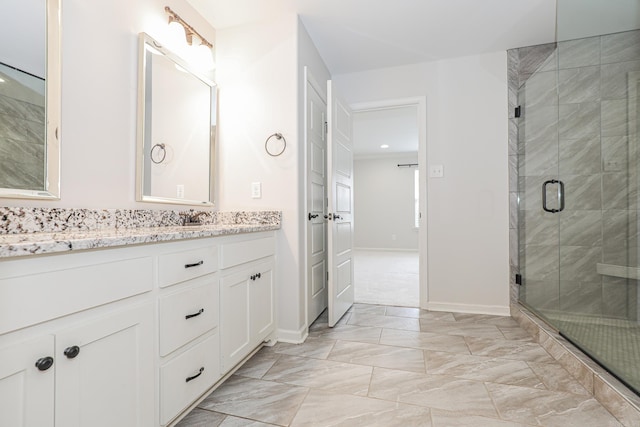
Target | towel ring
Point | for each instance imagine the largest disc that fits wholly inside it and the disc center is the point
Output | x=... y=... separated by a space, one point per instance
x=161 y=150
x=278 y=136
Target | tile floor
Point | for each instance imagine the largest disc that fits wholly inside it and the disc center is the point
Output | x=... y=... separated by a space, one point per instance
x=386 y=277
x=395 y=366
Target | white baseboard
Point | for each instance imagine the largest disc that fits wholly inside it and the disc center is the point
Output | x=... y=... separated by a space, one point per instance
x=496 y=310
x=293 y=337
x=386 y=249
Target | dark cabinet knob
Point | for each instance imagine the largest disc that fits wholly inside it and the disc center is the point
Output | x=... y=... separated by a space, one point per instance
x=259 y=275
x=72 y=352
x=44 y=363
x=312 y=216
x=253 y=277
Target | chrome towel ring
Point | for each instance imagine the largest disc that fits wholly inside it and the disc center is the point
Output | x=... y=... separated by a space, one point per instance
x=160 y=155
x=279 y=137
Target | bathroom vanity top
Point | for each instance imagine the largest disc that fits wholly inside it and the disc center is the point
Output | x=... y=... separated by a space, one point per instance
x=54 y=239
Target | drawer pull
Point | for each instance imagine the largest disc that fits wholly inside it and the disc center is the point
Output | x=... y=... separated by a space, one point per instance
x=44 y=363
x=189 y=316
x=196 y=375
x=72 y=352
x=194 y=264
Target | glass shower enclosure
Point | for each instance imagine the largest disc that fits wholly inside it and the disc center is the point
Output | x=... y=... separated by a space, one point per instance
x=578 y=196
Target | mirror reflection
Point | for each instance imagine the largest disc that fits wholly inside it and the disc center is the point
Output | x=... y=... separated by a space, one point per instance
x=176 y=129
x=29 y=89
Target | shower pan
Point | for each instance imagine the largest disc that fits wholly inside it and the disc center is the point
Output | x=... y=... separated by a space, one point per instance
x=578 y=196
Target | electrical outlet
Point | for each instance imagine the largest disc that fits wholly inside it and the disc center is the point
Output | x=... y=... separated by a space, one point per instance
x=256 y=190
x=436 y=171
x=180 y=191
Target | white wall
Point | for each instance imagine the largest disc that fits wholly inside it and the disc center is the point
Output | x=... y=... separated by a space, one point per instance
x=99 y=98
x=384 y=203
x=467 y=210
x=258 y=97
x=260 y=76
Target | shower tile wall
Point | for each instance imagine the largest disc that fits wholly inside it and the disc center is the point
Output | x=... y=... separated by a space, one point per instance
x=575 y=128
x=22 y=149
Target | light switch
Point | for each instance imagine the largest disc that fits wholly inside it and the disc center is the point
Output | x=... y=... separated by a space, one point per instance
x=436 y=171
x=256 y=190
x=180 y=191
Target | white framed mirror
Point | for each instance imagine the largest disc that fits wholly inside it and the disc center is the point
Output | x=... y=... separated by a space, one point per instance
x=176 y=129
x=30 y=99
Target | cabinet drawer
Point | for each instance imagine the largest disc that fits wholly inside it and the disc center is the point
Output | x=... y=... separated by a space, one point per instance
x=47 y=295
x=177 y=267
x=240 y=252
x=176 y=393
x=187 y=314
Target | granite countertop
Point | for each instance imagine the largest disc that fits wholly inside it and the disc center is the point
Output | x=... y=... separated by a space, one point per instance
x=46 y=239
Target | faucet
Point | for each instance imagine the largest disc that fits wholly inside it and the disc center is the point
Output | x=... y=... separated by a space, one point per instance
x=190 y=218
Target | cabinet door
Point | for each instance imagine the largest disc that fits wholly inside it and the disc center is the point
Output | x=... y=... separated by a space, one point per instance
x=261 y=302
x=234 y=318
x=26 y=392
x=110 y=381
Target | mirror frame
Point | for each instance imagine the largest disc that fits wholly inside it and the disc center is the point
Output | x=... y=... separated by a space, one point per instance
x=145 y=39
x=52 y=112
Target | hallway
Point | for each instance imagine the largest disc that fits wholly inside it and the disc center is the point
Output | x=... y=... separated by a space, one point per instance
x=386 y=277
x=395 y=366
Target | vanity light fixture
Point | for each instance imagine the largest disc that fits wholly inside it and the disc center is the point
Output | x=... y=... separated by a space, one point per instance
x=201 y=47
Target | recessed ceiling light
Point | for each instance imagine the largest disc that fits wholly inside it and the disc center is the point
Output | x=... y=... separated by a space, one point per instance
x=384 y=146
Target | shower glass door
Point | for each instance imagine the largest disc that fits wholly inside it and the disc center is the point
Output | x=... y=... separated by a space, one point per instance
x=578 y=197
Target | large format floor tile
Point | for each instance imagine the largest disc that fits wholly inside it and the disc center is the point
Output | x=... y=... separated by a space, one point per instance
x=406 y=359
x=376 y=369
x=258 y=400
x=433 y=391
x=323 y=409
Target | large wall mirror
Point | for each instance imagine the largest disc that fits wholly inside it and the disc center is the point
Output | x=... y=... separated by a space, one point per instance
x=176 y=129
x=30 y=99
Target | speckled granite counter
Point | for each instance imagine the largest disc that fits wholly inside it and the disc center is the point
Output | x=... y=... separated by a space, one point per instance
x=31 y=231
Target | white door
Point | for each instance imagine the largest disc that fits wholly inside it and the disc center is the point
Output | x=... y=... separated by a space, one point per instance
x=340 y=216
x=317 y=294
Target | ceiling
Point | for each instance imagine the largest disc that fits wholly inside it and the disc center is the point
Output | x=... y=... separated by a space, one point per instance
x=395 y=127
x=358 y=35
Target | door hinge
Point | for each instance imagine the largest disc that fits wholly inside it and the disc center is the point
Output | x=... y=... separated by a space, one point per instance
x=518 y=112
x=518 y=279
x=326 y=128
x=327 y=276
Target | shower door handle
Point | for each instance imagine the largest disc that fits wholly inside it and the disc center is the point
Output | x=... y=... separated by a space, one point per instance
x=560 y=196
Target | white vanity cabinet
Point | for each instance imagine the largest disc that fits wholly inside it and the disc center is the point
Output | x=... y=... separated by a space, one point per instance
x=26 y=392
x=133 y=335
x=247 y=296
x=79 y=358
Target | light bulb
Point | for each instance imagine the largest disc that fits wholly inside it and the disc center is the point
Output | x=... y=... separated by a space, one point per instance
x=177 y=32
x=205 y=57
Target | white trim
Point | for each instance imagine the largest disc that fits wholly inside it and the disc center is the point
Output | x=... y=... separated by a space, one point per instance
x=387 y=249
x=496 y=310
x=293 y=337
x=421 y=103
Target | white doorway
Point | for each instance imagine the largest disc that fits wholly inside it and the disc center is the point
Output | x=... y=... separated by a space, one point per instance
x=390 y=202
